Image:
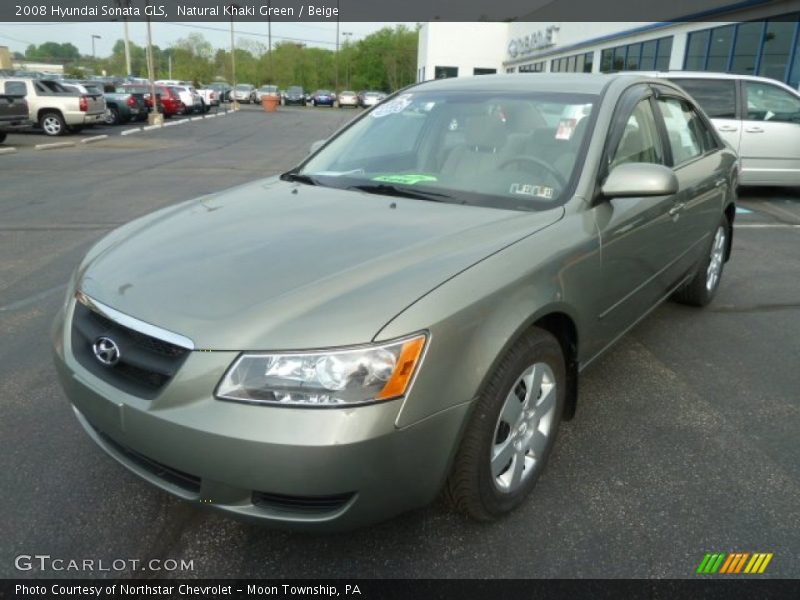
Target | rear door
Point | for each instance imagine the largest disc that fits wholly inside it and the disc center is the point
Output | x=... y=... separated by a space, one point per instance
x=770 y=144
x=717 y=98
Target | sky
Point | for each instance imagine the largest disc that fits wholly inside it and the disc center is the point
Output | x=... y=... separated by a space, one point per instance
x=17 y=36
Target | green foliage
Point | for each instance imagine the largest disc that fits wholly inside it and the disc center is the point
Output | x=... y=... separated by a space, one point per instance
x=385 y=60
x=52 y=52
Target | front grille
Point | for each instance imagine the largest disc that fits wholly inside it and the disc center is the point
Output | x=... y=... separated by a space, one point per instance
x=302 y=504
x=146 y=364
x=183 y=480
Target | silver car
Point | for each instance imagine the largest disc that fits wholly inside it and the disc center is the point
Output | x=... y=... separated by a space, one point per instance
x=244 y=92
x=757 y=116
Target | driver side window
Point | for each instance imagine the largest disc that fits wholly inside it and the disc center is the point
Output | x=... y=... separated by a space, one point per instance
x=640 y=142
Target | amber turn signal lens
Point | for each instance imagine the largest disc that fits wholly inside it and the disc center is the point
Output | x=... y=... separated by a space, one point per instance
x=404 y=371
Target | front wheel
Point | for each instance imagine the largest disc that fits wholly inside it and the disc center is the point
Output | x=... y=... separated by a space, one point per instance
x=512 y=429
x=701 y=289
x=52 y=123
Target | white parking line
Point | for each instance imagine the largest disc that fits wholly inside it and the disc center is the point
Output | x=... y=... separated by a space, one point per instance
x=53 y=145
x=151 y=127
x=130 y=131
x=171 y=123
x=95 y=138
x=10 y=150
x=196 y=119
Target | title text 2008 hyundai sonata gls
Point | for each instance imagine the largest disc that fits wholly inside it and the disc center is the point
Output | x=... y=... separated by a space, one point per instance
x=408 y=310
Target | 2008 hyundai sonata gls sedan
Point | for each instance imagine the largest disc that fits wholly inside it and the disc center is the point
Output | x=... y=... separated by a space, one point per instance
x=405 y=312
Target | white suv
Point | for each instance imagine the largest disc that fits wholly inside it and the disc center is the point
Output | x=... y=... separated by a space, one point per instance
x=758 y=117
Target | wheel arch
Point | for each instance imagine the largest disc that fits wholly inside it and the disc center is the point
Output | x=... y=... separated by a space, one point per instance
x=730 y=214
x=44 y=111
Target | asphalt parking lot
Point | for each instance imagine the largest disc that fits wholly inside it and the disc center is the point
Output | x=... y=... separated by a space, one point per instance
x=685 y=442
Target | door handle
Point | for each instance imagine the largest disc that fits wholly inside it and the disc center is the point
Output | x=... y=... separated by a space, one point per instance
x=719 y=182
x=754 y=130
x=727 y=128
x=676 y=209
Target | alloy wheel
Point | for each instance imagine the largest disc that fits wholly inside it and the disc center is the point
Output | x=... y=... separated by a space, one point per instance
x=51 y=125
x=523 y=428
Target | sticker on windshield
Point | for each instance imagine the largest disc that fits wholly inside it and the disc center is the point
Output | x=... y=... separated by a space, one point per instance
x=397 y=105
x=405 y=178
x=527 y=189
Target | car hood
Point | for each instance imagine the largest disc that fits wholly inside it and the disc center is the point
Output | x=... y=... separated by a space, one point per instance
x=274 y=265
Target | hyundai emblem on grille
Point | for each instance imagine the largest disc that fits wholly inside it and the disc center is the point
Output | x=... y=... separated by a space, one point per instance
x=106 y=351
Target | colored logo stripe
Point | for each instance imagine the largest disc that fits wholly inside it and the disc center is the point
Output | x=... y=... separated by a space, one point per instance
x=734 y=563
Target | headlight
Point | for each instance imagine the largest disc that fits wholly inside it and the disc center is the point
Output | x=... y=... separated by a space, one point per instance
x=324 y=378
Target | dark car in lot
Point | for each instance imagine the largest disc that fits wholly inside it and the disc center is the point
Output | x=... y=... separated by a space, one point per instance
x=13 y=112
x=123 y=106
x=294 y=96
x=323 y=98
x=407 y=312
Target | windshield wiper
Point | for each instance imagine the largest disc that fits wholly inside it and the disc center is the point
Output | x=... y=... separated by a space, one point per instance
x=385 y=189
x=299 y=178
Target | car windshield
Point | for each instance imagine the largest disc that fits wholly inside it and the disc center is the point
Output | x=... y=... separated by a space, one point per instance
x=242 y=87
x=324 y=93
x=507 y=150
x=295 y=90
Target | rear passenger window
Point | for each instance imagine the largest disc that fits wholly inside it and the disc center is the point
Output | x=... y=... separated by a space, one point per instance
x=770 y=103
x=688 y=135
x=715 y=96
x=15 y=88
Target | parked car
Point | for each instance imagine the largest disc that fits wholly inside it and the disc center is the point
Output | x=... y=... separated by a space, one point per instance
x=267 y=90
x=55 y=109
x=13 y=109
x=121 y=107
x=467 y=280
x=295 y=95
x=348 y=98
x=244 y=92
x=192 y=101
x=141 y=90
x=222 y=89
x=371 y=98
x=757 y=116
x=170 y=99
x=322 y=98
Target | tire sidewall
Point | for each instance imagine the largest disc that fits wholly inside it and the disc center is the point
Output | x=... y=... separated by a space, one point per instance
x=62 y=125
x=535 y=346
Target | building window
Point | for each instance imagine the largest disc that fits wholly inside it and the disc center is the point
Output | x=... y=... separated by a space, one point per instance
x=663 y=53
x=577 y=63
x=446 y=72
x=606 y=59
x=536 y=67
x=767 y=48
x=478 y=71
x=511 y=70
x=646 y=56
x=588 y=60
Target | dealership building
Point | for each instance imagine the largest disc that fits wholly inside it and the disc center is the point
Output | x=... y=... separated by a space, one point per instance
x=754 y=38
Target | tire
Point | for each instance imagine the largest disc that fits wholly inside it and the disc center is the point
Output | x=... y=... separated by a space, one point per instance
x=701 y=289
x=499 y=447
x=111 y=116
x=52 y=123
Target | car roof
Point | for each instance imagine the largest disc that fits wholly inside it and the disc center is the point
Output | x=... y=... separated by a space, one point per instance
x=586 y=83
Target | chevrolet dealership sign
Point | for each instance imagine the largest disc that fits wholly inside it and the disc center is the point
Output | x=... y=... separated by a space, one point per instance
x=538 y=40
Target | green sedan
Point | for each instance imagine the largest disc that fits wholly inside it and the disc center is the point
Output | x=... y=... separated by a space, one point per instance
x=407 y=312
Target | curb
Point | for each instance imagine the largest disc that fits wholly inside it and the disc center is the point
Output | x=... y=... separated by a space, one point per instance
x=54 y=145
x=130 y=131
x=151 y=127
x=9 y=150
x=95 y=138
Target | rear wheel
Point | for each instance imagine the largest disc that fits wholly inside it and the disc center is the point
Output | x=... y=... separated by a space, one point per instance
x=702 y=288
x=52 y=123
x=111 y=116
x=512 y=429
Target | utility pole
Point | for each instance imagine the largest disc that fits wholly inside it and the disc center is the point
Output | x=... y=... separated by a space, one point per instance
x=336 y=85
x=269 y=33
x=126 y=4
x=233 y=62
x=347 y=35
x=169 y=58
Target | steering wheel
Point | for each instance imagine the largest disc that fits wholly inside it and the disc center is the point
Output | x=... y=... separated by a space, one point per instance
x=539 y=162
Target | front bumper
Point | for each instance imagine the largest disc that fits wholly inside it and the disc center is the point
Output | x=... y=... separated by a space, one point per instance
x=323 y=469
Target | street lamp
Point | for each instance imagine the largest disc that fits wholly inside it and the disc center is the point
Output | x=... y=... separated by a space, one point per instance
x=233 y=60
x=94 y=58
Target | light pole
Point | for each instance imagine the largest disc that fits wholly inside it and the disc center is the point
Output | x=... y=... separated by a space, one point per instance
x=154 y=118
x=269 y=33
x=126 y=4
x=347 y=35
x=336 y=66
x=94 y=57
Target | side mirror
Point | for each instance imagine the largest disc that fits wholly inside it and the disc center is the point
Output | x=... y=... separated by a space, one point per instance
x=317 y=145
x=639 y=179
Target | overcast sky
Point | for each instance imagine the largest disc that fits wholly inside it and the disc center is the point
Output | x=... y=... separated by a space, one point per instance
x=18 y=36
